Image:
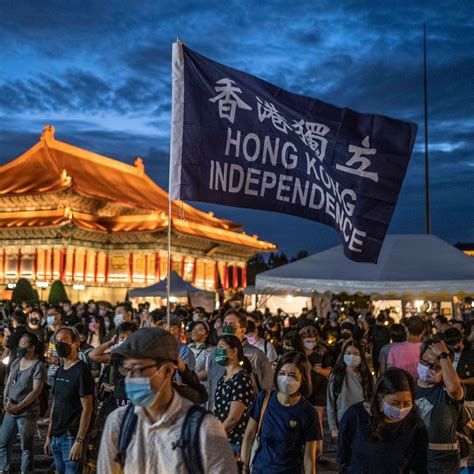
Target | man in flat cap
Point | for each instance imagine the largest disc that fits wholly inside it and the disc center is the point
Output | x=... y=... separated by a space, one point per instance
x=149 y=358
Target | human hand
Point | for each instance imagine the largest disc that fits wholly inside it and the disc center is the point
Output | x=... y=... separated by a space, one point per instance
x=47 y=446
x=12 y=409
x=76 y=452
x=439 y=347
x=181 y=365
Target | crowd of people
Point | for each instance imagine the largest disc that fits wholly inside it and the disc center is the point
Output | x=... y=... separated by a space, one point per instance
x=234 y=390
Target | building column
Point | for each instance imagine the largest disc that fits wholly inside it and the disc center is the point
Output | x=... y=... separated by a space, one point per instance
x=225 y=283
x=146 y=268
x=18 y=264
x=51 y=274
x=62 y=264
x=216 y=275
x=194 y=271
x=85 y=266
x=106 y=271
x=244 y=276
x=130 y=267
x=157 y=267
x=35 y=265
x=96 y=266
x=235 y=277
x=73 y=268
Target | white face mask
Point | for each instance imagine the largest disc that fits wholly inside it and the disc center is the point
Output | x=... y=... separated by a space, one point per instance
x=309 y=345
x=288 y=385
x=118 y=319
x=395 y=413
x=352 y=360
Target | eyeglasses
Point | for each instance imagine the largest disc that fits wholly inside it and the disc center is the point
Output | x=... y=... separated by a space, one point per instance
x=135 y=371
x=436 y=368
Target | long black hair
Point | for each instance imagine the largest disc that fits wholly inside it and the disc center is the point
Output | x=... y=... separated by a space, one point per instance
x=339 y=371
x=234 y=343
x=393 y=380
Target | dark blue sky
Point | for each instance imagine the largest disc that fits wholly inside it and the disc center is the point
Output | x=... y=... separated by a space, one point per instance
x=100 y=72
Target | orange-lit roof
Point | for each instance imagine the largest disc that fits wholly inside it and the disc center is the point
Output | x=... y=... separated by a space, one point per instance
x=54 y=166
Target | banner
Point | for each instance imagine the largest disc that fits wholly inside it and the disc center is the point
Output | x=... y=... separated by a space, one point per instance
x=240 y=141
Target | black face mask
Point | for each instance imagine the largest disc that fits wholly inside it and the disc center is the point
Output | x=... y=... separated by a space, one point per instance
x=346 y=335
x=63 y=349
x=22 y=351
x=34 y=321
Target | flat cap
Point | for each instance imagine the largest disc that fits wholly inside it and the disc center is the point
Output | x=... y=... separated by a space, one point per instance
x=149 y=343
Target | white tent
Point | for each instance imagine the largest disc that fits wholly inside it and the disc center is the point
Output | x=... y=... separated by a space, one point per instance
x=411 y=265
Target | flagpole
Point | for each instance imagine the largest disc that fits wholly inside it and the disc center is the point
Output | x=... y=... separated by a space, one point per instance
x=427 y=176
x=168 y=264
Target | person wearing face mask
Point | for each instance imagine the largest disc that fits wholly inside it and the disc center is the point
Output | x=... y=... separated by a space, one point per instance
x=463 y=363
x=96 y=327
x=201 y=349
x=439 y=396
x=350 y=382
x=321 y=362
x=72 y=406
x=21 y=403
x=289 y=429
x=150 y=359
x=385 y=435
x=234 y=392
x=255 y=340
x=216 y=329
x=11 y=343
x=35 y=319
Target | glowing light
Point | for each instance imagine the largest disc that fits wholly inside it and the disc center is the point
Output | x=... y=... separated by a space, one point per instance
x=6 y=360
x=386 y=323
x=418 y=304
x=42 y=284
x=289 y=298
x=79 y=287
x=11 y=286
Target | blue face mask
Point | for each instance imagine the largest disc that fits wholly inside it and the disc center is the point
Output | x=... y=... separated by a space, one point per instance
x=139 y=390
x=50 y=320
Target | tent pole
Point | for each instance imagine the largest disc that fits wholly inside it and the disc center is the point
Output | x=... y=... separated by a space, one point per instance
x=168 y=263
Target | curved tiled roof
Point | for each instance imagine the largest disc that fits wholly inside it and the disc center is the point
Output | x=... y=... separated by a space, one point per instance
x=52 y=166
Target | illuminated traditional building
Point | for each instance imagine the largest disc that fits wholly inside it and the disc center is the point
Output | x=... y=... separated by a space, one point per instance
x=94 y=222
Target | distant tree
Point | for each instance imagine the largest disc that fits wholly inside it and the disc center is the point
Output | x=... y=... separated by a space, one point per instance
x=301 y=254
x=24 y=292
x=277 y=260
x=58 y=293
x=255 y=265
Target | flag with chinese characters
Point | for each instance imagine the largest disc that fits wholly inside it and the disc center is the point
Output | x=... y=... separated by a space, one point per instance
x=240 y=141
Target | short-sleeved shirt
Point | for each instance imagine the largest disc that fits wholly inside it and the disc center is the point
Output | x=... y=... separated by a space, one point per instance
x=320 y=382
x=21 y=384
x=439 y=413
x=69 y=386
x=406 y=356
x=284 y=432
x=403 y=448
x=237 y=388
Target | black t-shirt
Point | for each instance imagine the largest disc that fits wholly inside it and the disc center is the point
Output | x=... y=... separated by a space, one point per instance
x=439 y=413
x=237 y=388
x=319 y=382
x=465 y=370
x=69 y=386
x=403 y=448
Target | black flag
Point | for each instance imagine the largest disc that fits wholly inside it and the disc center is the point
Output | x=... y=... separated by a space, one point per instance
x=240 y=141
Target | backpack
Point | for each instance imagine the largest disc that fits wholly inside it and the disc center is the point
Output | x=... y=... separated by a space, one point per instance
x=188 y=443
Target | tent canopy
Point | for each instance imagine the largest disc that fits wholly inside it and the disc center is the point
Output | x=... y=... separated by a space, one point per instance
x=408 y=265
x=179 y=288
